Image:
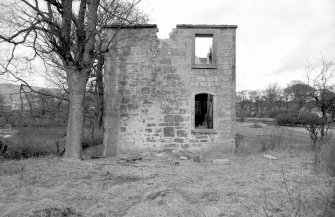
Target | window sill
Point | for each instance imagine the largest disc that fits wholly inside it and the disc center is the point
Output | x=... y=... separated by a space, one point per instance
x=205 y=131
x=204 y=66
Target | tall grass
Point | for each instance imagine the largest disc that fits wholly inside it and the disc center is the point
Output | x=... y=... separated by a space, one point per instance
x=326 y=157
x=272 y=141
x=33 y=142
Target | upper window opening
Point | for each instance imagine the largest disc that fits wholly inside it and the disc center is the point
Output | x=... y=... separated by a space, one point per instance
x=204 y=49
x=203 y=111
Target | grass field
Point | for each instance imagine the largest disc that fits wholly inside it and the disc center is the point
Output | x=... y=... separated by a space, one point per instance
x=247 y=185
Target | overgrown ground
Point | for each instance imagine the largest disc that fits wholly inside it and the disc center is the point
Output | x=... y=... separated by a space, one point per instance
x=249 y=185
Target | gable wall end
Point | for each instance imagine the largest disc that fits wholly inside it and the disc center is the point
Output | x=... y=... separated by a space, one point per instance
x=150 y=87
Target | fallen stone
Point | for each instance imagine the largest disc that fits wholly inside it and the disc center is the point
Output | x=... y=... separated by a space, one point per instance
x=269 y=157
x=183 y=158
x=159 y=155
x=220 y=161
x=154 y=195
x=199 y=159
x=131 y=158
x=145 y=154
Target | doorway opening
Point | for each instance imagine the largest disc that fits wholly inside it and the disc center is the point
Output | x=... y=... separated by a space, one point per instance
x=203 y=111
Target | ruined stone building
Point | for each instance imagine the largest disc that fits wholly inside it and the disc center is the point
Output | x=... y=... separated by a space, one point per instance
x=171 y=93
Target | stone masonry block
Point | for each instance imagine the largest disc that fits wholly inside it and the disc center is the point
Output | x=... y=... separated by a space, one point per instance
x=168 y=118
x=125 y=99
x=178 y=140
x=168 y=131
x=145 y=90
x=178 y=118
x=182 y=133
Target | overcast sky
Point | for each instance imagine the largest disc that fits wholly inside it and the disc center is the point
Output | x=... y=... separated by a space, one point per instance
x=274 y=37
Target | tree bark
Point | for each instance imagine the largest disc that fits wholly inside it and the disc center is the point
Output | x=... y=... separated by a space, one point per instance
x=77 y=83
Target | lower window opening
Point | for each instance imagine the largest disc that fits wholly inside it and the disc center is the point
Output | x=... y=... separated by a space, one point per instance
x=203 y=111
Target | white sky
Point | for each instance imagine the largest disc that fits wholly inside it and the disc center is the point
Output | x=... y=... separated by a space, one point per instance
x=274 y=37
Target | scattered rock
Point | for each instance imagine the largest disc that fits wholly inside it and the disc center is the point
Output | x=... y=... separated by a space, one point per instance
x=131 y=159
x=199 y=159
x=154 y=195
x=256 y=126
x=269 y=157
x=183 y=158
x=159 y=155
x=99 y=215
x=145 y=154
x=210 y=196
x=220 y=161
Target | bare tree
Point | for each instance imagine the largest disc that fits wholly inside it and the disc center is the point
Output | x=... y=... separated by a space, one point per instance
x=320 y=78
x=299 y=92
x=272 y=94
x=63 y=33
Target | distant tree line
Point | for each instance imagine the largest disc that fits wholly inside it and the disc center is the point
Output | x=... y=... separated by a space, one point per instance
x=274 y=100
x=310 y=104
x=316 y=95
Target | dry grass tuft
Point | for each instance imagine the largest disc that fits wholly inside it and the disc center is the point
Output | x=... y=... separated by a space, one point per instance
x=327 y=155
x=53 y=212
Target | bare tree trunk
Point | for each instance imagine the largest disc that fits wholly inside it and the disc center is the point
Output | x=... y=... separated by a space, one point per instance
x=77 y=83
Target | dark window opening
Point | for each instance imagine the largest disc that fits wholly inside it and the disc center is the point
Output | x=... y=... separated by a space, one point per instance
x=203 y=49
x=203 y=111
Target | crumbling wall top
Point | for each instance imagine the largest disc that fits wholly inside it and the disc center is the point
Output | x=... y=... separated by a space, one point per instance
x=203 y=26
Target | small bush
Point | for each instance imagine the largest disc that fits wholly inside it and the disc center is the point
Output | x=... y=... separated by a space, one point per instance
x=32 y=142
x=242 y=114
x=90 y=140
x=287 y=119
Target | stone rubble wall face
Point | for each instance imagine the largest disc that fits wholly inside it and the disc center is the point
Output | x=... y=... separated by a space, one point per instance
x=157 y=85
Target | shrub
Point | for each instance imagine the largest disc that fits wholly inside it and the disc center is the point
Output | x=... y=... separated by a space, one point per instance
x=287 y=119
x=90 y=140
x=242 y=114
x=33 y=142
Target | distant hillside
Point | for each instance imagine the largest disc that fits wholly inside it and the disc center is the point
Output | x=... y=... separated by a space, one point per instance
x=6 y=89
x=11 y=94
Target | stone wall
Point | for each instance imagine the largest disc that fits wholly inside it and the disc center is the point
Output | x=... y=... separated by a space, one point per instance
x=150 y=87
